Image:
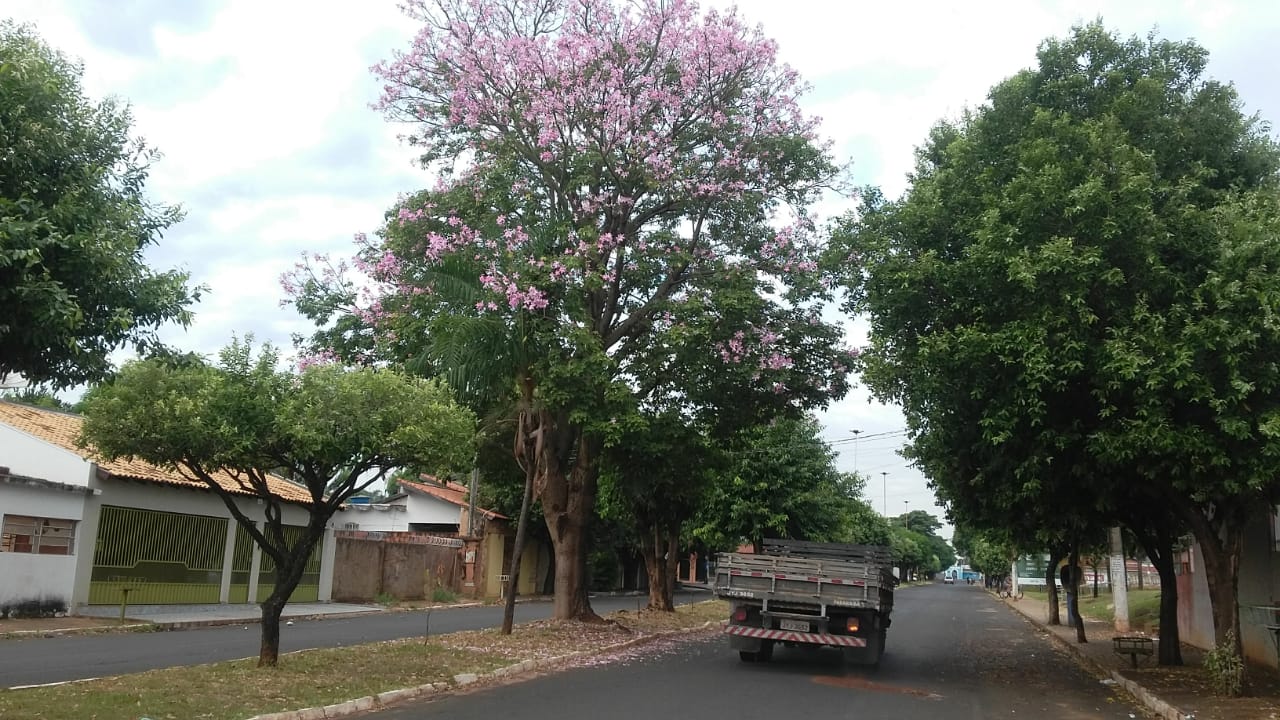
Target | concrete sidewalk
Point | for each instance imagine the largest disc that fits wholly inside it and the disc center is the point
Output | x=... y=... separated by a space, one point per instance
x=173 y=617
x=1173 y=693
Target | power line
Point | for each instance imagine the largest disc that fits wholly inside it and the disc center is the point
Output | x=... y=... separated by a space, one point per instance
x=858 y=438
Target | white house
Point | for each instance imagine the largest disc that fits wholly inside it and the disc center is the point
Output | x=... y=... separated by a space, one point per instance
x=86 y=531
x=428 y=505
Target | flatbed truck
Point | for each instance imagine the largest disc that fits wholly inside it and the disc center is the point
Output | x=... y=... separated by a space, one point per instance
x=806 y=593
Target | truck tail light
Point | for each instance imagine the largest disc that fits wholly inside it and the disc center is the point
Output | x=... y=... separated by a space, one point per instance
x=739 y=615
x=852 y=624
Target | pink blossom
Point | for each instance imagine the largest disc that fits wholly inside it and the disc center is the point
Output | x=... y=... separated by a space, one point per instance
x=580 y=163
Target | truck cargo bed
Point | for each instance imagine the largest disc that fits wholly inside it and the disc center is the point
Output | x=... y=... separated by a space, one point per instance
x=825 y=574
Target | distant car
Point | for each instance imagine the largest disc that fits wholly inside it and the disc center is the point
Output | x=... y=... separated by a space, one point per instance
x=948 y=580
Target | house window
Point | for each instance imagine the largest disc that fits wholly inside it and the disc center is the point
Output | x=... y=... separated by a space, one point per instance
x=37 y=535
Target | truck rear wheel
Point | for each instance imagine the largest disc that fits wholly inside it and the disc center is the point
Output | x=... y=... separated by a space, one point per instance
x=764 y=654
x=766 y=651
x=869 y=655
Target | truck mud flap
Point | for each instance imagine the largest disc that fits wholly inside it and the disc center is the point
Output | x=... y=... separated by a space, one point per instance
x=796 y=637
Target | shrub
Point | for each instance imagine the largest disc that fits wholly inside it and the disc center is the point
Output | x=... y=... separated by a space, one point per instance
x=1226 y=668
x=443 y=595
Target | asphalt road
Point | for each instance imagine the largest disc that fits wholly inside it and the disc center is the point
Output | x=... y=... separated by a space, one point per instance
x=953 y=653
x=34 y=661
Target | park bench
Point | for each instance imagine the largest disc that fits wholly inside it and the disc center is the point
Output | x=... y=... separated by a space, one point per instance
x=1133 y=646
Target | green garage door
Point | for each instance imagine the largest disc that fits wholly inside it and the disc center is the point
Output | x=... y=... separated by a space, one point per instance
x=308 y=589
x=157 y=557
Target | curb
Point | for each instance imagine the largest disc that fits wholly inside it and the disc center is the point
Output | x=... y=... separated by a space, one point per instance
x=218 y=622
x=94 y=630
x=1144 y=696
x=394 y=697
x=187 y=624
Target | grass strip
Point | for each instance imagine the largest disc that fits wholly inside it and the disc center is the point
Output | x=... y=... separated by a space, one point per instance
x=1144 y=606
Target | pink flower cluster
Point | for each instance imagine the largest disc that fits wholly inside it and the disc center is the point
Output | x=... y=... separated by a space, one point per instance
x=323 y=357
x=618 y=116
x=757 y=343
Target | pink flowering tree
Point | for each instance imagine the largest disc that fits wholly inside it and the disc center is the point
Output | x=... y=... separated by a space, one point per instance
x=625 y=189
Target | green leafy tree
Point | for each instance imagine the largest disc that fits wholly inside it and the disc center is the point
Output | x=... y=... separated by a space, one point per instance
x=247 y=418
x=780 y=481
x=36 y=397
x=652 y=483
x=909 y=550
x=920 y=521
x=74 y=222
x=991 y=554
x=864 y=525
x=962 y=539
x=926 y=552
x=1073 y=295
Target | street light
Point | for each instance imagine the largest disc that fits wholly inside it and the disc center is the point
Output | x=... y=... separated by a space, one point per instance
x=884 y=492
x=855 y=450
x=905 y=504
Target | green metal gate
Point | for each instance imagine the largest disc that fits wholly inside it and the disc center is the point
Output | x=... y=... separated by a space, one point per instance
x=308 y=589
x=241 y=566
x=157 y=557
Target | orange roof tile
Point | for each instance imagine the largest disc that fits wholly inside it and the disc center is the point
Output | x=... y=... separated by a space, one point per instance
x=450 y=492
x=63 y=429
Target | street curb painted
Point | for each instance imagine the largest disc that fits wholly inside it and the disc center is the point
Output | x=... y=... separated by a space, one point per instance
x=391 y=698
x=1148 y=699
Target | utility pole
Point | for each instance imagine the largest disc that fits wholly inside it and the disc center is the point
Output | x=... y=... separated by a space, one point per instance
x=884 y=493
x=471 y=501
x=855 y=450
x=1119 y=584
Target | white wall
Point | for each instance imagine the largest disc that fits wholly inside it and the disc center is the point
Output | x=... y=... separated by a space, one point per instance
x=1195 y=611
x=28 y=576
x=1259 y=575
x=26 y=455
x=428 y=509
x=412 y=508
x=388 y=517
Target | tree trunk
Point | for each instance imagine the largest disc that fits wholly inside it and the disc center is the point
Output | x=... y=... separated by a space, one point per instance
x=568 y=498
x=1158 y=545
x=517 y=553
x=1051 y=584
x=673 y=568
x=1221 y=541
x=269 y=650
x=287 y=576
x=658 y=563
x=1073 y=594
x=1170 y=640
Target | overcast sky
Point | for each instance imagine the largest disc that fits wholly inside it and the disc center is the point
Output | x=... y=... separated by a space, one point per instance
x=261 y=108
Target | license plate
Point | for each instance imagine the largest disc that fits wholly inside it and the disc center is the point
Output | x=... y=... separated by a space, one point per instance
x=794 y=625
